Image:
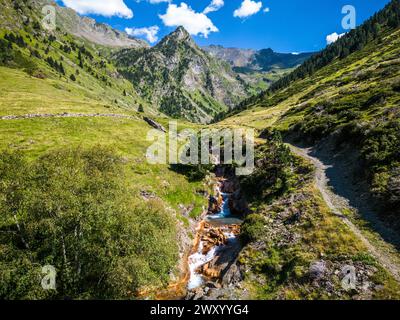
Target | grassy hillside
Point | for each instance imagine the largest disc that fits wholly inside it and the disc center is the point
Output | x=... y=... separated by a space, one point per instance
x=356 y=99
x=295 y=248
x=78 y=192
x=348 y=95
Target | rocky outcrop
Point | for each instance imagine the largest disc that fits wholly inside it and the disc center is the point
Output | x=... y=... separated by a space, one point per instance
x=238 y=205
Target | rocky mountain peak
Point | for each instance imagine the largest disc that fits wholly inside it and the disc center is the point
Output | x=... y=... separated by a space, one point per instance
x=179 y=36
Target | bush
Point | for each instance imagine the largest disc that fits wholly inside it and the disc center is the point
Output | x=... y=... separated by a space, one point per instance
x=71 y=209
x=252 y=228
x=272 y=176
x=6 y=52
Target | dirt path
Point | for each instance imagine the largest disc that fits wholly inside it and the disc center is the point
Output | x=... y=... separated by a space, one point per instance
x=336 y=203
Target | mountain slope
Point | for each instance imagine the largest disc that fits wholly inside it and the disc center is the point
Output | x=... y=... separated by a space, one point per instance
x=343 y=107
x=17 y=14
x=56 y=64
x=353 y=100
x=69 y=128
x=181 y=79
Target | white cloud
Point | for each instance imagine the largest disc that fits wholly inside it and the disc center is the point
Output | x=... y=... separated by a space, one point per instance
x=247 y=9
x=215 y=5
x=267 y=10
x=331 y=38
x=195 y=23
x=158 y=1
x=107 y=8
x=150 y=33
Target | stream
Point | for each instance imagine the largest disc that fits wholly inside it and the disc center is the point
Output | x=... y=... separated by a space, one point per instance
x=218 y=235
x=209 y=267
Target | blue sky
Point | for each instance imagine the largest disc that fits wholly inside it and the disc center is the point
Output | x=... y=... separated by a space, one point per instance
x=283 y=25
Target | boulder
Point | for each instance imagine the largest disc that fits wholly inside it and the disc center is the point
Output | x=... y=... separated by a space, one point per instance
x=317 y=270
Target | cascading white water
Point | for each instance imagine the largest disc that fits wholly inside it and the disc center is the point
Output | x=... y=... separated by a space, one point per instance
x=196 y=260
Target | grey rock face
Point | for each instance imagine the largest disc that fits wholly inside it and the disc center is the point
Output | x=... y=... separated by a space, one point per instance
x=84 y=27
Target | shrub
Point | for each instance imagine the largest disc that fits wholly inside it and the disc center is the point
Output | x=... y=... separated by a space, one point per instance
x=272 y=176
x=252 y=228
x=71 y=209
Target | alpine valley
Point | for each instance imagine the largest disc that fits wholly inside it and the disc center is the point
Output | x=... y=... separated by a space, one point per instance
x=318 y=218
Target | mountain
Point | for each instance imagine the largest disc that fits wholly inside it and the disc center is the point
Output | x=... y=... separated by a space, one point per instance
x=181 y=79
x=235 y=56
x=19 y=13
x=75 y=72
x=248 y=61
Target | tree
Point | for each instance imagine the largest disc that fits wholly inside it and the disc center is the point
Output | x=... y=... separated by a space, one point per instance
x=80 y=59
x=140 y=109
x=71 y=209
x=72 y=77
x=60 y=68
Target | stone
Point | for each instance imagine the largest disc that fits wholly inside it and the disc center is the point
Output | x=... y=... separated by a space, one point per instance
x=146 y=195
x=317 y=270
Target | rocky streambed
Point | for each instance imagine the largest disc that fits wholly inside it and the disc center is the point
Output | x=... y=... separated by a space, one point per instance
x=212 y=262
x=209 y=268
